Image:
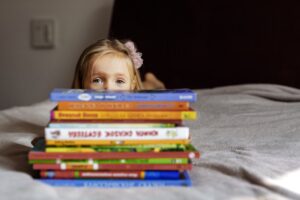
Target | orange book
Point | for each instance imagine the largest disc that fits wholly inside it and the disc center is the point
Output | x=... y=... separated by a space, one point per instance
x=126 y=105
x=113 y=115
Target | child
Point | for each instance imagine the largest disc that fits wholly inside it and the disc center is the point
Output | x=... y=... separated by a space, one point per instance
x=112 y=65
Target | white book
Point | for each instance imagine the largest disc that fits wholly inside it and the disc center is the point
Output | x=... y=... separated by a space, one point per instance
x=177 y=133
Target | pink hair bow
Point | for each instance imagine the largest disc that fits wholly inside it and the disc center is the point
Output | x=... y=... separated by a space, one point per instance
x=135 y=56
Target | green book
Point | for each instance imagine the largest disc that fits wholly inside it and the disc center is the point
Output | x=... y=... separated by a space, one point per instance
x=116 y=161
x=122 y=148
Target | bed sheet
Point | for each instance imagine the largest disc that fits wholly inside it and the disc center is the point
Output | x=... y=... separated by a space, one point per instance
x=248 y=136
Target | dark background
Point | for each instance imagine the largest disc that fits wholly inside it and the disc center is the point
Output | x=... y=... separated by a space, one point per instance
x=202 y=44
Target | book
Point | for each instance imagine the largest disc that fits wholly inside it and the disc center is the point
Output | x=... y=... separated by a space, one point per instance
x=176 y=133
x=112 y=167
x=114 y=161
x=125 y=105
x=110 y=174
x=38 y=153
x=184 y=180
x=110 y=125
x=112 y=142
x=118 y=121
x=120 y=148
x=186 y=95
x=41 y=155
x=114 y=115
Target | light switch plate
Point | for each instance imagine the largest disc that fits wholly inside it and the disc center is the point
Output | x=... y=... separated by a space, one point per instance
x=42 y=33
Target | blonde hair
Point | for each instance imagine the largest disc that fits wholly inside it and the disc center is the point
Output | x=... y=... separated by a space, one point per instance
x=98 y=49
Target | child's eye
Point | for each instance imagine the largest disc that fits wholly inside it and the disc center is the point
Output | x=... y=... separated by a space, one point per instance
x=97 y=80
x=120 y=81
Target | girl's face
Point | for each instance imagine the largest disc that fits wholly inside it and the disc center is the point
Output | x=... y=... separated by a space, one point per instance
x=110 y=73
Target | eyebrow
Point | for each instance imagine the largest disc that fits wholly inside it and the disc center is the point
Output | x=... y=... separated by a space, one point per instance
x=119 y=74
x=99 y=73
x=105 y=74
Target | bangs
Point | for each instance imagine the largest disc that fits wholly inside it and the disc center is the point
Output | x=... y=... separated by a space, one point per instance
x=121 y=57
x=114 y=55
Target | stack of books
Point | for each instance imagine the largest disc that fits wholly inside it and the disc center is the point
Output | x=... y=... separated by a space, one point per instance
x=117 y=139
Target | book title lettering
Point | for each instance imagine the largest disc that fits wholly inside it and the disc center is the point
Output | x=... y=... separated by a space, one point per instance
x=99 y=134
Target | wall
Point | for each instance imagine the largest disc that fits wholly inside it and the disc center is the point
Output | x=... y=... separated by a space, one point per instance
x=27 y=75
x=205 y=44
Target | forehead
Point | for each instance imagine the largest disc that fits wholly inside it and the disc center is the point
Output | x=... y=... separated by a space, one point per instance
x=111 y=64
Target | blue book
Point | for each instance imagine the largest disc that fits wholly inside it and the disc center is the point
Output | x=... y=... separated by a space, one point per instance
x=185 y=180
x=148 y=174
x=141 y=95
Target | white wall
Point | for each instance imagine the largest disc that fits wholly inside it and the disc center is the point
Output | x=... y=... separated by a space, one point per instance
x=27 y=75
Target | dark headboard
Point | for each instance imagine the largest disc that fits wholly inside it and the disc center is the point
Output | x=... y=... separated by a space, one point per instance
x=200 y=44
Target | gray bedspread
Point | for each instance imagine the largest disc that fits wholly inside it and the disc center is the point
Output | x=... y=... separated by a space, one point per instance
x=248 y=136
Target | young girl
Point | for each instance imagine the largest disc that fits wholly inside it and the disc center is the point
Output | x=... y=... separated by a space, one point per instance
x=112 y=65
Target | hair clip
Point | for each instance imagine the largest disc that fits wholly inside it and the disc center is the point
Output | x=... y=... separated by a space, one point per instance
x=135 y=56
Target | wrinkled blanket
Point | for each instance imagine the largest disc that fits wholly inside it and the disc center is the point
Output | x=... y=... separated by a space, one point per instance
x=248 y=136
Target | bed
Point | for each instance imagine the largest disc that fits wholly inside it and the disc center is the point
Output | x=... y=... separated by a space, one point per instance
x=248 y=136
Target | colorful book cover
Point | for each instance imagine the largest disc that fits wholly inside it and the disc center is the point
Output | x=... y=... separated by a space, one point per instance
x=132 y=115
x=117 y=121
x=112 y=167
x=176 y=133
x=114 y=161
x=38 y=153
x=184 y=180
x=110 y=174
x=125 y=105
x=187 y=95
x=41 y=155
x=110 y=125
x=120 y=148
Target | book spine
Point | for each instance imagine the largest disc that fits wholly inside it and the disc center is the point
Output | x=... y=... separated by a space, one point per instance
x=178 y=133
x=120 y=148
x=110 y=125
x=123 y=115
x=116 y=184
x=33 y=155
x=111 y=174
x=119 y=121
x=112 y=167
x=119 y=183
x=187 y=96
x=144 y=105
x=115 y=161
x=112 y=142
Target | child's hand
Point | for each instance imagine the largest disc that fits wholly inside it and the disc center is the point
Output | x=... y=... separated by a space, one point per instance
x=152 y=83
x=35 y=140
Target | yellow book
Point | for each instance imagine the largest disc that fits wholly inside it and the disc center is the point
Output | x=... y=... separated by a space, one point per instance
x=119 y=148
x=112 y=142
x=121 y=115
